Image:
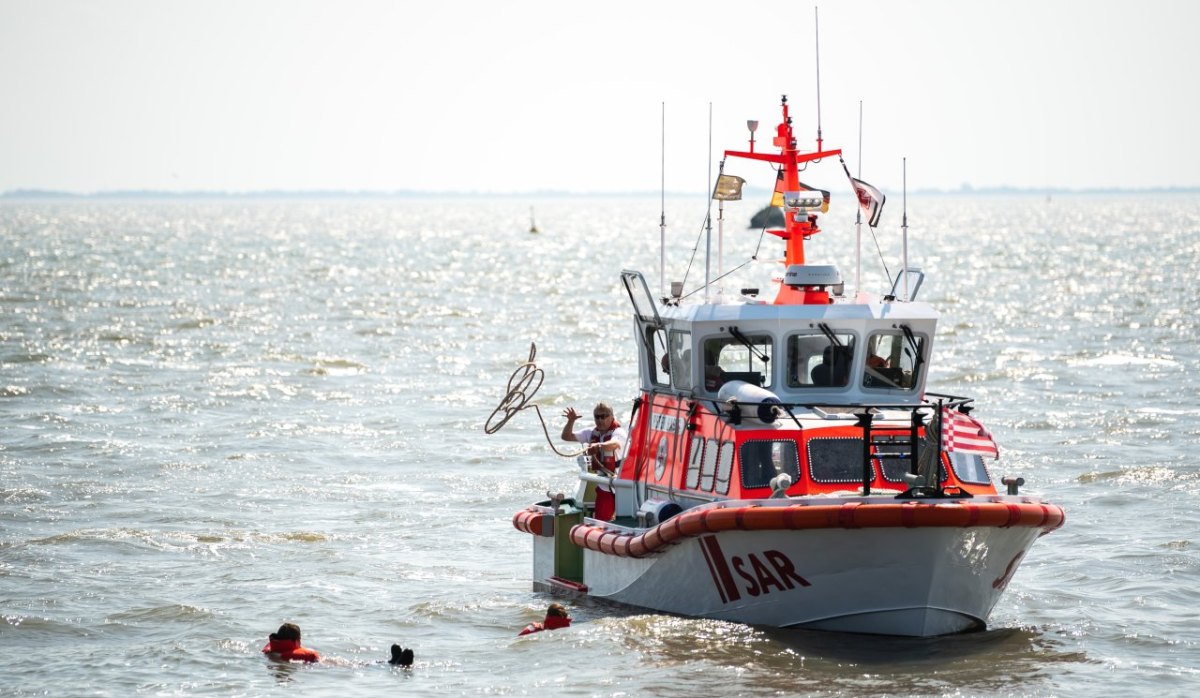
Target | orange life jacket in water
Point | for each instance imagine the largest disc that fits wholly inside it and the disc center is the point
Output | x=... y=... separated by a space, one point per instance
x=551 y=623
x=289 y=650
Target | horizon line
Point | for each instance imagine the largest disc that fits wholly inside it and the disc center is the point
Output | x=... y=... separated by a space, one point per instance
x=35 y=193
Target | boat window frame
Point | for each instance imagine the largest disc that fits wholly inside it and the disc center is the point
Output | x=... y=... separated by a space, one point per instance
x=794 y=471
x=881 y=463
x=873 y=378
x=716 y=375
x=724 y=467
x=790 y=341
x=691 y=476
x=856 y=472
x=708 y=466
x=658 y=363
x=980 y=462
x=679 y=348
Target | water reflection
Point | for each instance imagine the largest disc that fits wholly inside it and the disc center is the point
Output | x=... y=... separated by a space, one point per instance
x=773 y=659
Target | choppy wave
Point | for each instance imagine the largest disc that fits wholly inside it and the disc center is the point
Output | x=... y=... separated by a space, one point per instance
x=216 y=417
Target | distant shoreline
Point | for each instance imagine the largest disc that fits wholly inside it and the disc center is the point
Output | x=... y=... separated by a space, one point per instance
x=149 y=194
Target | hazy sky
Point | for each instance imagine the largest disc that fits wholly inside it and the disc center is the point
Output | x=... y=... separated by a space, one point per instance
x=565 y=95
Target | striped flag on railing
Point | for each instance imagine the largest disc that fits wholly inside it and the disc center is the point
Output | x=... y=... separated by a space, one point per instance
x=962 y=432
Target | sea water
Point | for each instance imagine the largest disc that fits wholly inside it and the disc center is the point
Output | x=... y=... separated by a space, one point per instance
x=219 y=415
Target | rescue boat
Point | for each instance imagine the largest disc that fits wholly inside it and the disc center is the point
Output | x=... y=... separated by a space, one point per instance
x=785 y=465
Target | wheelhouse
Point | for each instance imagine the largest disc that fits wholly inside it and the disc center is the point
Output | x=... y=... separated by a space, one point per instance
x=746 y=400
x=829 y=355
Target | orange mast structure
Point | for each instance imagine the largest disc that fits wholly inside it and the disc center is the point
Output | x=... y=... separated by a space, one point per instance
x=798 y=223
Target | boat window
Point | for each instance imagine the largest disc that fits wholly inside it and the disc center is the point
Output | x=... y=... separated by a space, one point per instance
x=724 y=467
x=836 y=460
x=708 y=467
x=727 y=359
x=969 y=467
x=693 y=470
x=681 y=360
x=894 y=360
x=894 y=468
x=659 y=359
x=816 y=360
x=763 y=460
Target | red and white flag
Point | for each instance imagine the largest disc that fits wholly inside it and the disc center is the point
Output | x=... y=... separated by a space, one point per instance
x=869 y=198
x=962 y=432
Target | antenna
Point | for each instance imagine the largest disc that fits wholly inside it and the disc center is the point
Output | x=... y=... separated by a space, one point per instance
x=904 y=223
x=858 y=215
x=662 y=222
x=817 y=28
x=708 y=218
x=860 y=139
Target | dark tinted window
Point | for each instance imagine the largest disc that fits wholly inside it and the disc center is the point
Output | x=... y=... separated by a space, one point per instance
x=836 y=460
x=763 y=460
x=894 y=468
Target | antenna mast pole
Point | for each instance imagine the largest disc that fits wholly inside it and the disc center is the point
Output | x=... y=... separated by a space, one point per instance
x=662 y=223
x=817 y=28
x=904 y=225
x=858 y=216
x=708 y=218
x=720 y=239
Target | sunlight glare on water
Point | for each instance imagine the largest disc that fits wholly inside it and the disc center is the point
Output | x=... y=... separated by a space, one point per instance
x=220 y=415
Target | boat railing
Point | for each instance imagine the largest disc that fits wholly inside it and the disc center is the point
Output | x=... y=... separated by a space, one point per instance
x=924 y=480
x=624 y=491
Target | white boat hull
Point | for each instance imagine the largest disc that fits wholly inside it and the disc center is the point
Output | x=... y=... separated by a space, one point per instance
x=916 y=582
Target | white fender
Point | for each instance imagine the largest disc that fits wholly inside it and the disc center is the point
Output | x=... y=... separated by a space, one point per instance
x=752 y=401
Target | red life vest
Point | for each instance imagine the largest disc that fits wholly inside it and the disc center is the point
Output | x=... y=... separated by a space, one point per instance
x=289 y=650
x=609 y=459
x=551 y=623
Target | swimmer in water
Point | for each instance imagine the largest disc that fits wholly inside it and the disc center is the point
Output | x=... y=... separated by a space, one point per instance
x=401 y=656
x=284 y=645
x=556 y=617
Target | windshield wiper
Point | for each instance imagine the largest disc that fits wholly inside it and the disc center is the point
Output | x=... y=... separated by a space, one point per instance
x=745 y=341
x=912 y=343
x=833 y=339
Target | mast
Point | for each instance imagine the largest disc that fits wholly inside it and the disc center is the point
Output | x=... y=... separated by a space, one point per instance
x=798 y=223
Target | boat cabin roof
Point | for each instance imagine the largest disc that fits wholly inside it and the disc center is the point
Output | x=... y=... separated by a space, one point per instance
x=872 y=351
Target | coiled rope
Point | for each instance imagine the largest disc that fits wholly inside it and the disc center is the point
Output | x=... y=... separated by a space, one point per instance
x=523 y=384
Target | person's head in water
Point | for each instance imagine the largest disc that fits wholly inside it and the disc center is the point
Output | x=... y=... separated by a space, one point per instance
x=284 y=644
x=401 y=656
x=556 y=617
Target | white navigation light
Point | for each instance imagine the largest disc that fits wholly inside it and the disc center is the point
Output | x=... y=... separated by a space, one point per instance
x=795 y=199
